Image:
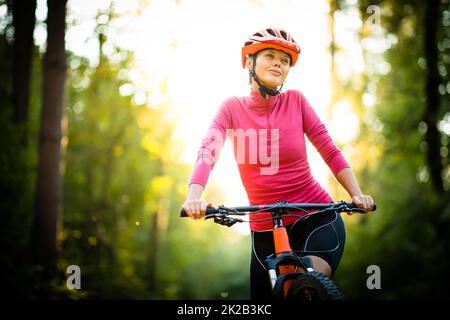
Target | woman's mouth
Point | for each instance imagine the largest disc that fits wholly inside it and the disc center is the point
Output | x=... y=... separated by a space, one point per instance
x=276 y=73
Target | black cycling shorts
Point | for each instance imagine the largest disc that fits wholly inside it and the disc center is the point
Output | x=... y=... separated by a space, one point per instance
x=322 y=235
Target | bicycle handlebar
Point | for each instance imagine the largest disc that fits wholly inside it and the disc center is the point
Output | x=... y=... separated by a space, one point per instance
x=287 y=207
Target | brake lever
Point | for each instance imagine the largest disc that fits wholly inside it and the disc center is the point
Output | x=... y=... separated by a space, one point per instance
x=343 y=207
x=231 y=221
x=357 y=210
x=226 y=220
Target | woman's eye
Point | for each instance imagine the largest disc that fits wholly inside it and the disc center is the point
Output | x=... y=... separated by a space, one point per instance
x=284 y=61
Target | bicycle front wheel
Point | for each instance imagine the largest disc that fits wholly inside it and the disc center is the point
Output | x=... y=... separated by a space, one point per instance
x=313 y=286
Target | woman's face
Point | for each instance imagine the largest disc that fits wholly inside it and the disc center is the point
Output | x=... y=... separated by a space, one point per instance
x=272 y=67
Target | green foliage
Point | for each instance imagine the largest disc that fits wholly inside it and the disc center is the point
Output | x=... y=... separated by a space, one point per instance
x=403 y=236
x=123 y=190
x=17 y=171
x=122 y=195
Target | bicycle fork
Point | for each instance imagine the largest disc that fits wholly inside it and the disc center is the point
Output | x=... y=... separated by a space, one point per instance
x=282 y=245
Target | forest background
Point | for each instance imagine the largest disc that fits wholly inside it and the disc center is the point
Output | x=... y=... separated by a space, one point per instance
x=103 y=105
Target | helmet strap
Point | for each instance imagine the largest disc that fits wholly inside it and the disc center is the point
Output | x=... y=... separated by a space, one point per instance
x=262 y=88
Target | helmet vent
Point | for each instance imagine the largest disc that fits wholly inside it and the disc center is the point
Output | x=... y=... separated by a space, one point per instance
x=271 y=32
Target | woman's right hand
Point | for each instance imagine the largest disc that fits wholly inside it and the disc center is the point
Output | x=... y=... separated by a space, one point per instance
x=196 y=208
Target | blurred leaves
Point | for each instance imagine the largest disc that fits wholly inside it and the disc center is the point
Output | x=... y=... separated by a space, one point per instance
x=122 y=194
x=407 y=236
x=123 y=187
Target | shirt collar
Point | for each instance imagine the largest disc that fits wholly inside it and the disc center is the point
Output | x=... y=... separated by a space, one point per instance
x=258 y=102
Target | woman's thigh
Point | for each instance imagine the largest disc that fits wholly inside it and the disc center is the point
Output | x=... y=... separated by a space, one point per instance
x=322 y=236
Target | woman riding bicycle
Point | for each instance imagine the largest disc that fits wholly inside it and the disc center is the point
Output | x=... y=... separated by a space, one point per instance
x=273 y=165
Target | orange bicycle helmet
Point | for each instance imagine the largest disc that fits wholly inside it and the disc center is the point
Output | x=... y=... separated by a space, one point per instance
x=272 y=38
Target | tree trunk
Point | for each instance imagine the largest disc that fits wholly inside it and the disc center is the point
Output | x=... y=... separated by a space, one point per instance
x=432 y=20
x=153 y=253
x=158 y=230
x=334 y=81
x=23 y=20
x=48 y=191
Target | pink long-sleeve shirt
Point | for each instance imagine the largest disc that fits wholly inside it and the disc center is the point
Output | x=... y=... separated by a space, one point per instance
x=268 y=139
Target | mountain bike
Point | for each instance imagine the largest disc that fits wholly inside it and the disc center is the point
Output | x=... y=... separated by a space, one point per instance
x=291 y=274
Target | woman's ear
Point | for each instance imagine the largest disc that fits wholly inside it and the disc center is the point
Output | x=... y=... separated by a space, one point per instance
x=248 y=62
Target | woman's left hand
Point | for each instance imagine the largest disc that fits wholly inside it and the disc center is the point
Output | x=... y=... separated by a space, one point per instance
x=364 y=202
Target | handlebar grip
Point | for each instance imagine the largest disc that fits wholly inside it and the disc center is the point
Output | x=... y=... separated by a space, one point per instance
x=183 y=213
x=351 y=205
x=209 y=210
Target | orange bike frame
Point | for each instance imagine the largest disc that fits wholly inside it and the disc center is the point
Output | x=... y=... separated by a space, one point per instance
x=281 y=241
